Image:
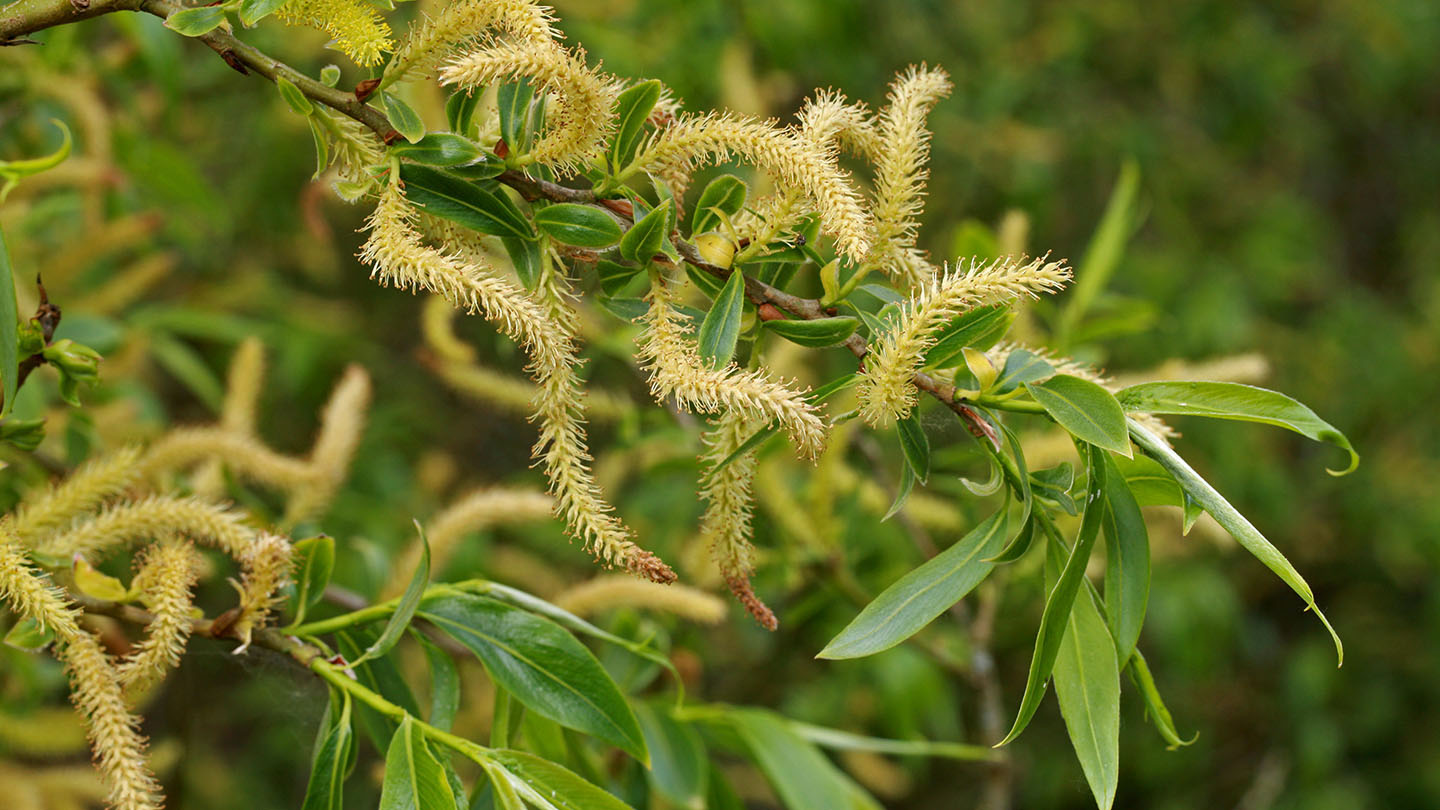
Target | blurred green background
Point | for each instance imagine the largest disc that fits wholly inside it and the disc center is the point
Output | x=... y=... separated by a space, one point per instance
x=1289 y=155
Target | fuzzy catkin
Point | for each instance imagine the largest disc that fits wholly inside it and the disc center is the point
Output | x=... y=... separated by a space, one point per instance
x=341 y=425
x=245 y=455
x=461 y=26
x=608 y=592
x=243 y=381
x=725 y=526
x=95 y=686
x=357 y=28
x=95 y=483
x=675 y=367
x=886 y=392
x=165 y=580
x=474 y=512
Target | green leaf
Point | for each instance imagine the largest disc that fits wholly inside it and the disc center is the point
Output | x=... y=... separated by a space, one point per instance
x=579 y=225
x=1054 y=484
x=253 y=11
x=469 y=204
x=721 y=329
x=1235 y=523
x=902 y=493
x=444 y=683
x=403 y=117
x=29 y=635
x=1056 y=615
x=1087 y=685
x=193 y=22
x=1224 y=400
x=816 y=333
x=613 y=276
x=189 y=367
x=405 y=608
x=378 y=675
x=543 y=666
x=1085 y=409
x=414 y=779
x=9 y=330
x=914 y=444
x=1022 y=542
x=632 y=108
x=293 y=97
x=527 y=257
x=440 y=149
x=1021 y=367
x=329 y=75
x=513 y=102
x=678 y=762
x=979 y=328
x=643 y=240
x=319 y=556
x=845 y=741
x=1155 y=707
x=322 y=145
x=725 y=195
x=904 y=608
x=460 y=110
x=708 y=284
x=1127 y=562
x=1103 y=253
x=1149 y=482
x=756 y=439
x=801 y=775
x=331 y=759
x=551 y=785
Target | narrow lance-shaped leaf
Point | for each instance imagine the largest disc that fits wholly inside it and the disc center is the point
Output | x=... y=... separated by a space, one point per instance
x=579 y=225
x=1055 y=617
x=512 y=102
x=444 y=683
x=331 y=758
x=1127 y=563
x=816 y=333
x=405 y=608
x=1235 y=523
x=1226 y=400
x=677 y=757
x=9 y=329
x=319 y=555
x=914 y=444
x=914 y=600
x=540 y=664
x=1085 y=409
x=439 y=149
x=632 y=108
x=1087 y=686
x=470 y=204
x=540 y=780
x=720 y=331
x=414 y=779
x=800 y=774
x=1103 y=253
x=1155 y=708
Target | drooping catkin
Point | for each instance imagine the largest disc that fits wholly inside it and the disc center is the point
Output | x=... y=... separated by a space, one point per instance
x=675 y=367
x=45 y=511
x=795 y=163
x=95 y=686
x=341 y=425
x=900 y=158
x=463 y=25
x=165 y=581
x=580 y=114
x=474 y=512
x=357 y=28
x=725 y=526
x=612 y=591
x=885 y=391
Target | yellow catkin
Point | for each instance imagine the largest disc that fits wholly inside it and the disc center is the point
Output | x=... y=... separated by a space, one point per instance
x=95 y=687
x=358 y=29
x=341 y=425
x=725 y=526
x=152 y=517
x=676 y=368
x=243 y=382
x=266 y=564
x=397 y=256
x=88 y=487
x=900 y=172
x=795 y=163
x=165 y=581
x=885 y=390
x=474 y=512
x=459 y=27
x=246 y=456
x=608 y=592
x=581 y=112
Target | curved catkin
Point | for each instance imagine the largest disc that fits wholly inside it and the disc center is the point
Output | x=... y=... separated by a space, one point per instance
x=474 y=512
x=899 y=157
x=341 y=425
x=608 y=592
x=358 y=30
x=93 y=484
x=243 y=382
x=676 y=368
x=397 y=256
x=885 y=390
x=581 y=111
x=95 y=686
x=725 y=526
x=266 y=564
x=165 y=581
x=795 y=163
x=245 y=455
x=459 y=27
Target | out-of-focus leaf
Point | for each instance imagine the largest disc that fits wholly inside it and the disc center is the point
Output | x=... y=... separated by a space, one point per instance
x=678 y=762
x=800 y=774
x=193 y=22
x=9 y=330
